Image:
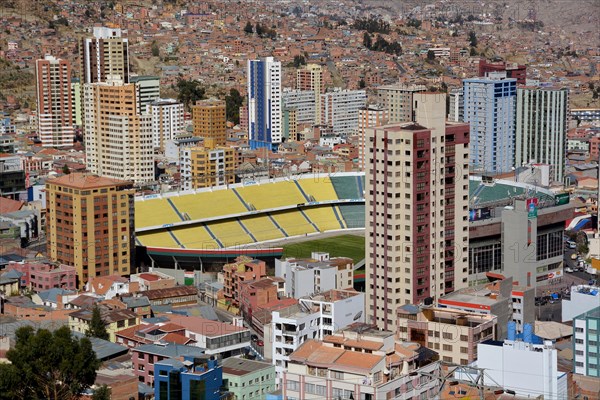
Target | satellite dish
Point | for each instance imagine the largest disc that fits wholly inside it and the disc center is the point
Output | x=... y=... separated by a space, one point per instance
x=386 y=371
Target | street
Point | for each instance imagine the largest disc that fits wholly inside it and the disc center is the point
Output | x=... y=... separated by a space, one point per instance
x=553 y=311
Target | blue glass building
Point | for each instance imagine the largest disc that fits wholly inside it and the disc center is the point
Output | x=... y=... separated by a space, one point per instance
x=490 y=109
x=264 y=103
x=189 y=378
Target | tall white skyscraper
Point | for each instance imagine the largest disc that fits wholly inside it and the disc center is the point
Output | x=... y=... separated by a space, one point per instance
x=340 y=109
x=264 y=103
x=167 y=121
x=542 y=127
x=54 y=102
x=489 y=108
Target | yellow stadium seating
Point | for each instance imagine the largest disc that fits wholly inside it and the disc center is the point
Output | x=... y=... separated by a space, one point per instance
x=262 y=228
x=272 y=195
x=195 y=237
x=209 y=204
x=293 y=223
x=323 y=217
x=318 y=187
x=154 y=212
x=340 y=215
x=230 y=233
x=157 y=239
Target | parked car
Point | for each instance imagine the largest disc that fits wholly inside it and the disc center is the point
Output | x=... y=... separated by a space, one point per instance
x=260 y=343
x=254 y=337
x=569 y=269
x=571 y=244
x=574 y=256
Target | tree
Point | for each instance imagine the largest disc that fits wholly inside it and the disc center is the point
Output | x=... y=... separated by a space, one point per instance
x=248 y=28
x=367 y=41
x=102 y=393
x=189 y=91
x=298 y=61
x=10 y=382
x=430 y=55
x=259 y=29
x=362 y=83
x=66 y=170
x=48 y=365
x=472 y=39
x=415 y=23
x=155 y=49
x=233 y=102
x=97 y=327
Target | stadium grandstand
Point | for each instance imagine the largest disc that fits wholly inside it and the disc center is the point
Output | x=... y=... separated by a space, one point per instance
x=488 y=194
x=243 y=219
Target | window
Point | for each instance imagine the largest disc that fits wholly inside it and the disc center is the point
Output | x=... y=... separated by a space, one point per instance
x=320 y=390
x=293 y=385
x=337 y=375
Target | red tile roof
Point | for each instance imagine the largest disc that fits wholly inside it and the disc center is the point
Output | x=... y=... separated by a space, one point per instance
x=10 y=205
x=87 y=181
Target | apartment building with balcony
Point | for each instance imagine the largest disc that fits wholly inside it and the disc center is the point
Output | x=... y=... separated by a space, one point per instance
x=89 y=225
x=207 y=166
x=340 y=109
x=453 y=334
x=145 y=357
x=248 y=379
x=118 y=139
x=253 y=295
x=416 y=201
x=361 y=363
x=189 y=378
x=243 y=269
x=40 y=276
x=314 y=317
x=215 y=337
x=54 y=105
x=586 y=333
x=305 y=277
x=501 y=298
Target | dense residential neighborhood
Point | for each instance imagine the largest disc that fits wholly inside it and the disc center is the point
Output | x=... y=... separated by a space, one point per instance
x=299 y=200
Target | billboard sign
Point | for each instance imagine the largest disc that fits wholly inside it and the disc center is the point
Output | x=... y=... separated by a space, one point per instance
x=532 y=206
x=561 y=198
x=479 y=213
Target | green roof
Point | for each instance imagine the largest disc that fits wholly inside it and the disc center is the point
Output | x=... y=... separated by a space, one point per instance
x=501 y=191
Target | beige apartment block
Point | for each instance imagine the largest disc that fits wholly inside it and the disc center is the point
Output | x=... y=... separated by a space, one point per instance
x=416 y=199
x=118 y=141
x=453 y=334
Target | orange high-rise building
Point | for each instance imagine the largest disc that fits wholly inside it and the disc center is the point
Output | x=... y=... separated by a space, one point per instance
x=90 y=224
x=210 y=121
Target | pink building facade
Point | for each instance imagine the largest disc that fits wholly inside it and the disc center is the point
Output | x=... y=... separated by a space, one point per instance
x=44 y=276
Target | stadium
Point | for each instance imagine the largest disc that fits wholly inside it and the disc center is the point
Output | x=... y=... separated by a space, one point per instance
x=217 y=224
